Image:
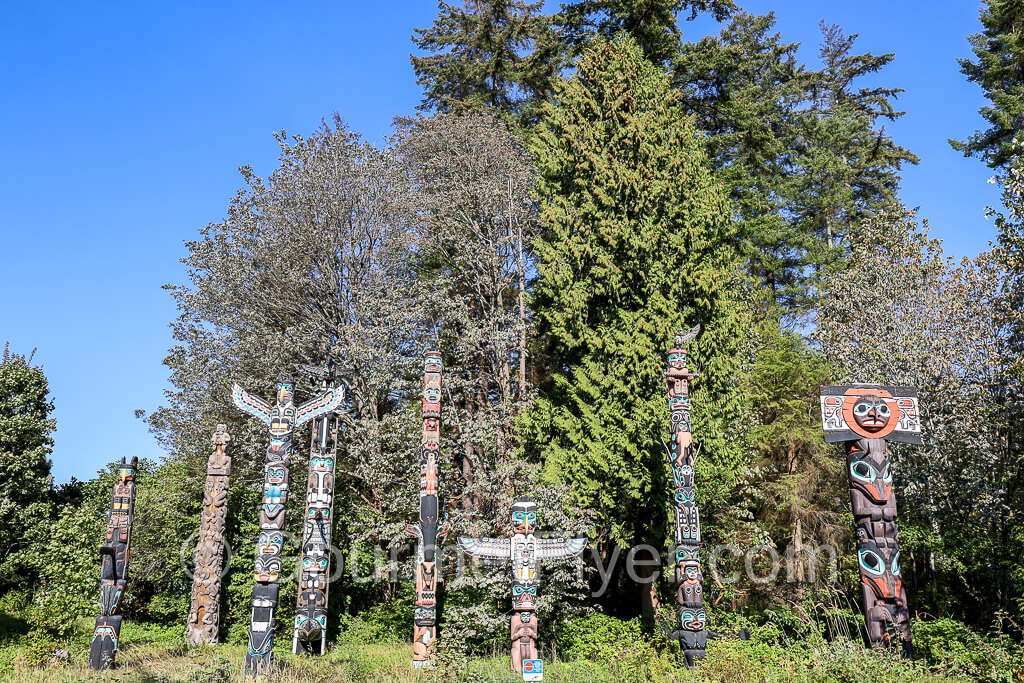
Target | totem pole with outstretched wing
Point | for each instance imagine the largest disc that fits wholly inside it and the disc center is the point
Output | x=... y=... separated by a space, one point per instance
x=523 y=549
x=282 y=419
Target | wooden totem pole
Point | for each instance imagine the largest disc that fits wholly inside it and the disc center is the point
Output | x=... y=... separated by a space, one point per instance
x=115 y=554
x=692 y=634
x=524 y=550
x=866 y=417
x=282 y=419
x=204 y=617
x=314 y=574
x=428 y=568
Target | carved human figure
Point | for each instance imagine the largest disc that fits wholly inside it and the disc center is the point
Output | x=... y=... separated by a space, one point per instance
x=692 y=632
x=428 y=531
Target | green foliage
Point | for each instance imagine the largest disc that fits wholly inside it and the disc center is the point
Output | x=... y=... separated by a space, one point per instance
x=951 y=647
x=638 y=245
x=998 y=68
x=494 y=53
x=25 y=482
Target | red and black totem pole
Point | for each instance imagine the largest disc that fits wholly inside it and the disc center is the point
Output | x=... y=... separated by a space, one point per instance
x=692 y=634
x=115 y=554
x=866 y=417
x=282 y=419
x=428 y=568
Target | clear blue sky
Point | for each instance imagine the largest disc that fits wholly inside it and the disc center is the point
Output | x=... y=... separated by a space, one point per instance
x=126 y=123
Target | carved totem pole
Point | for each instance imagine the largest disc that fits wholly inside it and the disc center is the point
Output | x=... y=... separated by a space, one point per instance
x=524 y=550
x=311 y=612
x=866 y=417
x=692 y=634
x=283 y=419
x=204 y=617
x=428 y=566
x=115 y=554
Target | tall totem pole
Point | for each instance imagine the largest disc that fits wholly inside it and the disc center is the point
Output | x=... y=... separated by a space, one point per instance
x=282 y=419
x=115 y=554
x=692 y=634
x=866 y=417
x=204 y=617
x=428 y=569
x=311 y=612
x=524 y=550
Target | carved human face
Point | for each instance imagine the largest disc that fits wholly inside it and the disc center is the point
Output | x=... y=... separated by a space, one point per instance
x=872 y=413
x=524 y=595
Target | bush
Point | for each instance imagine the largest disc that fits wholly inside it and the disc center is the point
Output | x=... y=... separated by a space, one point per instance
x=949 y=646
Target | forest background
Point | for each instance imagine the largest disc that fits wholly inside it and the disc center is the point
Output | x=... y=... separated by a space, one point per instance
x=578 y=186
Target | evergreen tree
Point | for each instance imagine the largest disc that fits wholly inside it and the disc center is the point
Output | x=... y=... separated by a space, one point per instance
x=749 y=93
x=802 y=151
x=496 y=53
x=999 y=70
x=25 y=482
x=639 y=243
x=850 y=166
x=653 y=24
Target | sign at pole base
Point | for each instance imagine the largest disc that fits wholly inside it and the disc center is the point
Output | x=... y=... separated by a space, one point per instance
x=533 y=670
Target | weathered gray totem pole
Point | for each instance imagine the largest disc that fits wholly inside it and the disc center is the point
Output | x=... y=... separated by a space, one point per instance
x=524 y=550
x=283 y=419
x=428 y=568
x=314 y=574
x=692 y=634
x=866 y=417
x=204 y=617
x=115 y=554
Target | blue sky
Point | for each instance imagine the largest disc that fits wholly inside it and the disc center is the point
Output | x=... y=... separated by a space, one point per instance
x=126 y=123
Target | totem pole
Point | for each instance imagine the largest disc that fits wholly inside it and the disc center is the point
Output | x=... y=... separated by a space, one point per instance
x=693 y=634
x=428 y=567
x=115 y=554
x=866 y=417
x=204 y=617
x=311 y=612
x=524 y=550
x=283 y=419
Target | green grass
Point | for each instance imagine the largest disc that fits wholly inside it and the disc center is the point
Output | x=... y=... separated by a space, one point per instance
x=152 y=654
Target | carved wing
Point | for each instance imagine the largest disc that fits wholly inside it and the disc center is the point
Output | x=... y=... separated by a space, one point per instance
x=315 y=407
x=487 y=548
x=253 y=405
x=687 y=336
x=559 y=548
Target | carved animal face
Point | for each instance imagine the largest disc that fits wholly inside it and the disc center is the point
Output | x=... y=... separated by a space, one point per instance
x=880 y=570
x=318 y=464
x=270 y=543
x=871 y=477
x=872 y=413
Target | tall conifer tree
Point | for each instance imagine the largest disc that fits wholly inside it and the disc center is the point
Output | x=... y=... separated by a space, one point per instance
x=496 y=53
x=639 y=243
x=999 y=70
